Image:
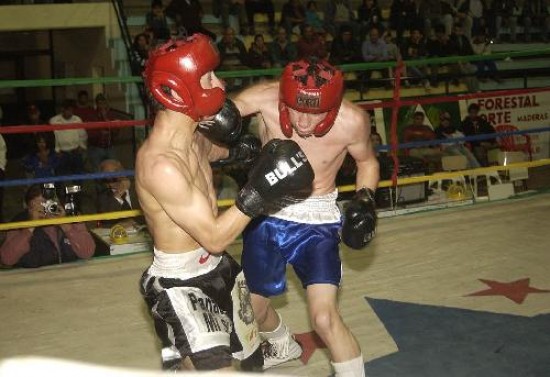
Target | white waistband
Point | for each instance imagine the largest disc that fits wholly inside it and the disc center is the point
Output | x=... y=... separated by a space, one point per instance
x=313 y=210
x=183 y=265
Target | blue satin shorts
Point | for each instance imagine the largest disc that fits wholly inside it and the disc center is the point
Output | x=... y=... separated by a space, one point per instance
x=270 y=243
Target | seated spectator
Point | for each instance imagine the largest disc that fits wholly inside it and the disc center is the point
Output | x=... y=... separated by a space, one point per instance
x=156 y=20
x=438 y=47
x=101 y=140
x=24 y=143
x=401 y=16
x=235 y=8
x=224 y=185
x=369 y=16
x=43 y=246
x=474 y=124
x=282 y=50
x=140 y=52
x=83 y=109
x=469 y=14
x=258 y=54
x=188 y=17
x=260 y=6
x=345 y=48
x=310 y=44
x=232 y=51
x=418 y=131
x=3 y=162
x=374 y=49
x=507 y=13
x=460 y=45
x=312 y=17
x=233 y=56
x=69 y=144
x=337 y=14
x=415 y=48
x=376 y=141
x=293 y=15
x=115 y=194
x=447 y=130
x=433 y=15
x=43 y=161
x=33 y=115
x=481 y=45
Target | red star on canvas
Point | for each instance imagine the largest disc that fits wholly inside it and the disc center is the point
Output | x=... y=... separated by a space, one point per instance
x=309 y=341
x=516 y=291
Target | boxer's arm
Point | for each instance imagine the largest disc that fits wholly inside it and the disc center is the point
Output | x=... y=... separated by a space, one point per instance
x=363 y=153
x=249 y=100
x=217 y=153
x=190 y=208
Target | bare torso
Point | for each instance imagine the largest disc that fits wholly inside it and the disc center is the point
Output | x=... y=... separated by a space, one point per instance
x=192 y=162
x=326 y=154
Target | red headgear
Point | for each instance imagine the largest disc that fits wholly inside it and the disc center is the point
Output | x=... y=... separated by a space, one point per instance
x=310 y=87
x=179 y=65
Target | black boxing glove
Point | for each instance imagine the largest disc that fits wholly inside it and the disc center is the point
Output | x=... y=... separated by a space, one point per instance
x=359 y=224
x=225 y=127
x=245 y=151
x=281 y=170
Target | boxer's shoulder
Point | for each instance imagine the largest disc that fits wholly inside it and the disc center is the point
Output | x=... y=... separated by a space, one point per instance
x=352 y=119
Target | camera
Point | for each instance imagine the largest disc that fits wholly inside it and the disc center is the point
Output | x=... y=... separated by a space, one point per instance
x=51 y=205
x=71 y=193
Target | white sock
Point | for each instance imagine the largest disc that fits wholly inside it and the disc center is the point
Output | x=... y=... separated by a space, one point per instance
x=279 y=332
x=350 y=368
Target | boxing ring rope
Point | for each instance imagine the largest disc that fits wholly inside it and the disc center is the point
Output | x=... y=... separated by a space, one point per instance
x=393 y=147
x=228 y=202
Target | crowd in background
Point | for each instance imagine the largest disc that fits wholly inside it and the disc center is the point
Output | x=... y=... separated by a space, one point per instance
x=337 y=31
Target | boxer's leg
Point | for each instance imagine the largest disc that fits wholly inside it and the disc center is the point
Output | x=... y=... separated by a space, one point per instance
x=327 y=323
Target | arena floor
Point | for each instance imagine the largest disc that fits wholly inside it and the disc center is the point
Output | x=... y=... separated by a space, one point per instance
x=406 y=298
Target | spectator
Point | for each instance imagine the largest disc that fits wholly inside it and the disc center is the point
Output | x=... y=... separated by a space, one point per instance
x=345 y=48
x=100 y=140
x=42 y=246
x=532 y=13
x=447 y=130
x=375 y=49
x=233 y=56
x=156 y=20
x=282 y=50
x=25 y=142
x=401 y=16
x=83 y=109
x=293 y=15
x=481 y=45
x=448 y=11
x=232 y=51
x=337 y=14
x=258 y=54
x=43 y=161
x=376 y=141
x=235 y=8
x=312 y=17
x=188 y=17
x=415 y=48
x=116 y=193
x=140 y=52
x=3 y=162
x=474 y=124
x=438 y=47
x=432 y=16
x=506 y=11
x=469 y=14
x=310 y=44
x=369 y=16
x=260 y=6
x=460 y=45
x=418 y=131
x=69 y=144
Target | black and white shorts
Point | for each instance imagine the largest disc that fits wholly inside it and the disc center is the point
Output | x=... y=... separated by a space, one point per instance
x=201 y=309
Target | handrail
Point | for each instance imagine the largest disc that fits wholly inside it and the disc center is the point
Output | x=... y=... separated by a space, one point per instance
x=272 y=71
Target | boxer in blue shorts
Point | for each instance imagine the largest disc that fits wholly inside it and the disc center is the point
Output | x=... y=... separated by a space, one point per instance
x=307 y=106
